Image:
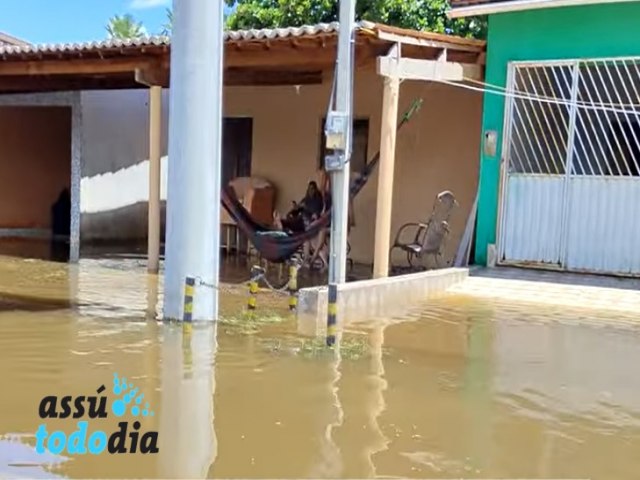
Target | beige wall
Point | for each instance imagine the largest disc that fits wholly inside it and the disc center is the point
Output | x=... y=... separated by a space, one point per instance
x=438 y=150
x=35 y=163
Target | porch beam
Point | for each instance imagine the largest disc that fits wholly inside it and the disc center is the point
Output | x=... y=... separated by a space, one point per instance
x=311 y=58
x=71 y=67
x=155 y=146
x=384 y=202
x=152 y=77
x=429 y=70
x=25 y=84
x=233 y=77
x=241 y=77
x=427 y=42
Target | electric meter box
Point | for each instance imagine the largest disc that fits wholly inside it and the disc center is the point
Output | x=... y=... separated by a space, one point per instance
x=334 y=162
x=336 y=131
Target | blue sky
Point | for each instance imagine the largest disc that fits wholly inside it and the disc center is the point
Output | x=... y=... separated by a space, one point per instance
x=55 y=21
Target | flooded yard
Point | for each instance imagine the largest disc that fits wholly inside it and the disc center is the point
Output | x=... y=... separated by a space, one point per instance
x=461 y=388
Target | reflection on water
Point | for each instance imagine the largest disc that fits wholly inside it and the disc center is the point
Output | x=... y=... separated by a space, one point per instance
x=188 y=443
x=462 y=388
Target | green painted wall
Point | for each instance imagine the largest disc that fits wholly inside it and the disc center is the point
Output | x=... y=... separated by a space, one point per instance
x=607 y=30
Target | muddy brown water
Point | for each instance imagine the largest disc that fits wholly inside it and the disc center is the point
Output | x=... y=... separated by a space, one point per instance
x=461 y=388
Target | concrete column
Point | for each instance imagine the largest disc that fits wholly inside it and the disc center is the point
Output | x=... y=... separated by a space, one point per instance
x=155 y=147
x=76 y=176
x=195 y=131
x=340 y=177
x=390 y=97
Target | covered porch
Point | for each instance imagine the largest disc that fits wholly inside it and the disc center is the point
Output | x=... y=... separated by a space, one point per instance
x=276 y=94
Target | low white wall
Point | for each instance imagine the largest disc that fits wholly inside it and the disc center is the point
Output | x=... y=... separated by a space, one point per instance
x=115 y=167
x=114 y=190
x=374 y=298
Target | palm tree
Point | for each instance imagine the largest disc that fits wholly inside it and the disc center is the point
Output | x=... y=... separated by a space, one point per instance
x=167 y=28
x=124 y=27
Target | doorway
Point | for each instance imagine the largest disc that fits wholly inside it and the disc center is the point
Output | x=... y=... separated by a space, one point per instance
x=35 y=178
x=237 y=140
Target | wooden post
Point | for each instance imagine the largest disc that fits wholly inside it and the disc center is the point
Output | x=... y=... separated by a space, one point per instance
x=155 y=146
x=385 y=176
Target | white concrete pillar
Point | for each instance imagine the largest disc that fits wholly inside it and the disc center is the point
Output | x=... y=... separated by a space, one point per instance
x=76 y=176
x=340 y=177
x=195 y=131
x=390 y=97
x=155 y=152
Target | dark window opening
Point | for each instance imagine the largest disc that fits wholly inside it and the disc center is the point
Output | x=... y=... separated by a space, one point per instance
x=237 y=135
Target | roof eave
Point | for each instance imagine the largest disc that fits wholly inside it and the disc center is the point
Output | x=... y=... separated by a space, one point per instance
x=378 y=32
x=520 y=5
x=7 y=39
x=426 y=39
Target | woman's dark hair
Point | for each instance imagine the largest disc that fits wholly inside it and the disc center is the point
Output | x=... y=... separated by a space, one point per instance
x=314 y=185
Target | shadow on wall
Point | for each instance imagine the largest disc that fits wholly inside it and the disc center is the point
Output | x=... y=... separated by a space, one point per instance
x=121 y=224
x=114 y=206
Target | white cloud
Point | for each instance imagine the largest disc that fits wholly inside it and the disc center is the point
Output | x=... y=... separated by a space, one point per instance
x=142 y=4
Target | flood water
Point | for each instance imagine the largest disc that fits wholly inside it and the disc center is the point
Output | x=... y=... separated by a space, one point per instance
x=462 y=389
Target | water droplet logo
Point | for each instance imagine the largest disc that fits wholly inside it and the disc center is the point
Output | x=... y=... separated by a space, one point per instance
x=128 y=393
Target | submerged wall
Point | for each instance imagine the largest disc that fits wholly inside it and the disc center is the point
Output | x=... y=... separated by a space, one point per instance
x=438 y=150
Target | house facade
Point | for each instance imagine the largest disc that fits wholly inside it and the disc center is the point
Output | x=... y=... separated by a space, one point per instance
x=277 y=89
x=559 y=169
x=284 y=148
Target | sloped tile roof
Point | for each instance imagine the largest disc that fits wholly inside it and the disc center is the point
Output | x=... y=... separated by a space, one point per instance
x=229 y=36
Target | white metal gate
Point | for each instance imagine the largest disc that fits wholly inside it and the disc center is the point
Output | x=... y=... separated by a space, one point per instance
x=571 y=176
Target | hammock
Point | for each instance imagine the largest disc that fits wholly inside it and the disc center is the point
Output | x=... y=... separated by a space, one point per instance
x=274 y=245
x=278 y=246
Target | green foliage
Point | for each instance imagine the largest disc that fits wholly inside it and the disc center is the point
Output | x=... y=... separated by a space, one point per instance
x=429 y=15
x=124 y=26
x=249 y=323
x=316 y=348
x=167 y=27
x=350 y=348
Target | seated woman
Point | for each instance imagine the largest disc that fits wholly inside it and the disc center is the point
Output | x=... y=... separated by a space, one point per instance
x=318 y=244
x=311 y=206
x=303 y=213
x=316 y=202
